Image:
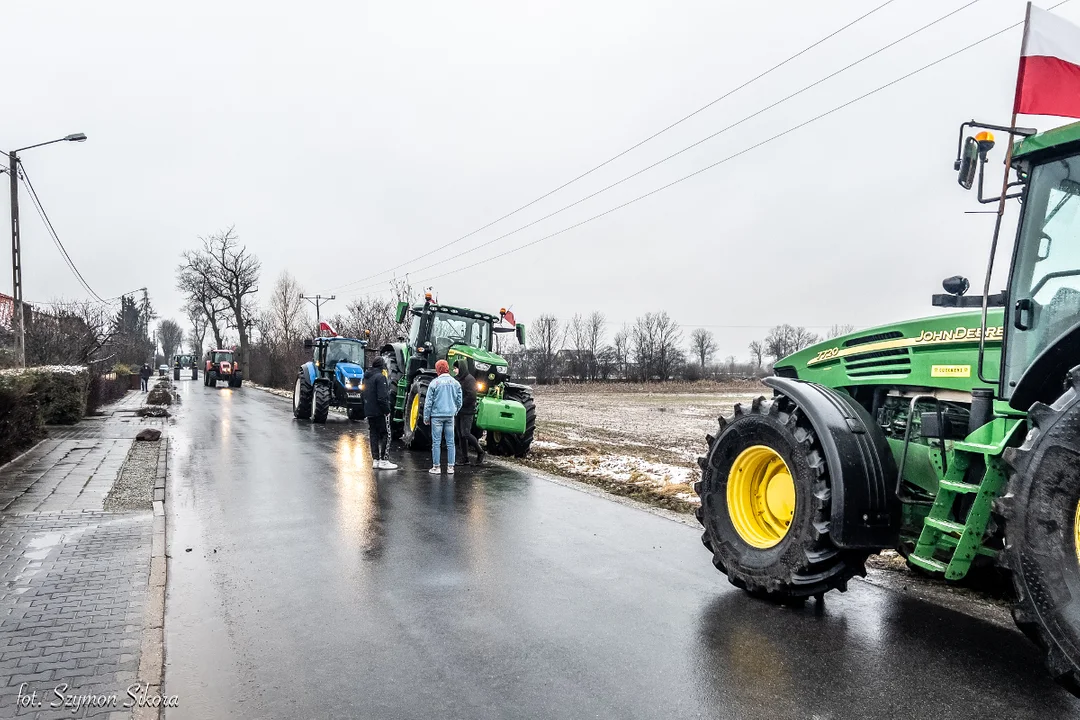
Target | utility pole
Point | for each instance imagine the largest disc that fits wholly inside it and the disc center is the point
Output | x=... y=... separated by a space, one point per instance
x=317 y=301
x=16 y=246
x=16 y=262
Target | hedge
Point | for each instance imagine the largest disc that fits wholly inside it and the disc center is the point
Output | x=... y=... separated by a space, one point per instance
x=34 y=397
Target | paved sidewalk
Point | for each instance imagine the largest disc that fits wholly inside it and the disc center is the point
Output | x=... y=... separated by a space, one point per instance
x=75 y=579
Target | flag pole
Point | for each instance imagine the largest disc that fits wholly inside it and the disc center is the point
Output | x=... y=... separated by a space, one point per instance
x=1001 y=201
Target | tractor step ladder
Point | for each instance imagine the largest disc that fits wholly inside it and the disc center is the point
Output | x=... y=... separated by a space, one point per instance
x=960 y=541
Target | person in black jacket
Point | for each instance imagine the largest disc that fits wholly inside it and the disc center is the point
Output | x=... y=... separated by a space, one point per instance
x=466 y=417
x=377 y=411
x=144 y=376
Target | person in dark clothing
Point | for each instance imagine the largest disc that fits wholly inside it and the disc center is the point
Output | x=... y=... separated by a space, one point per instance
x=466 y=417
x=144 y=376
x=377 y=411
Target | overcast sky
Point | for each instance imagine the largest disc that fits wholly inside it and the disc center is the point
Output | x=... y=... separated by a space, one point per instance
x=342 y=139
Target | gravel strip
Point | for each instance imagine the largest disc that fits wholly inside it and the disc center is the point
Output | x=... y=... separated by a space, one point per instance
x=134 y=489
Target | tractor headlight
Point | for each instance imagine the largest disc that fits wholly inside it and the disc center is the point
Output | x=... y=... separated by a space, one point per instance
x=481 y=387
x=503 y=369
x=483 y=367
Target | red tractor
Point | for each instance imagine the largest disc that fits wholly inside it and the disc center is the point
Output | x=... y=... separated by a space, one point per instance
x=221 y=365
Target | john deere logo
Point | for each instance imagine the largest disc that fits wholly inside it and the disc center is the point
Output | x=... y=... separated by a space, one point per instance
x=950 y=371
x=960 y=334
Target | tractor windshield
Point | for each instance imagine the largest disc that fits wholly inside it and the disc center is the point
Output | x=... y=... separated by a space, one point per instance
x=1046 y=272
x=344 y=351
x=223 y=357
x=449 y=330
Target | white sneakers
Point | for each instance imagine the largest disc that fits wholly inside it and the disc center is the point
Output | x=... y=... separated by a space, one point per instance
x=449 y=469
x=434 y=471
x=383 y=465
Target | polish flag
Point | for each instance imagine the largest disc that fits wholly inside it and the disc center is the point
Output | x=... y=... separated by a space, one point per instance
x=1048 y=82
x=326 y=327
x=509 y=317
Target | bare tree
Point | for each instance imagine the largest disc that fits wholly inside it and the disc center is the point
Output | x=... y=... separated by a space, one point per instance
x=784 y=340
x=731 y=363
x=594 y=339
x=586 y=334
x=199 y=325
x=195 y=280
x=620 y=348
x=757 y=353
x=233 y=277
x=703 y=344
x=656 y=340
x=170 y=335
x=837 y=330
x=546 y=338
x=287 y=315
x=68 y=333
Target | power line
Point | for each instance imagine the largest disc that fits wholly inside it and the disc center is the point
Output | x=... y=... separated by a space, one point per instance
x=739 y=153
x=52 y=233
x=612 y=159
x=705 y=139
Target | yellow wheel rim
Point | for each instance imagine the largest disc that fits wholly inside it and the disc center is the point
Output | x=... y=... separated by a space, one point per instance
x=414 y=412
x=1076 y=532
x=761 y=496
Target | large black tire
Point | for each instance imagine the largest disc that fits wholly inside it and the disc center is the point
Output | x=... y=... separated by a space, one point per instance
x=500 y=443
x=355 y=413
x=211 y=378
x=1041 y=508
x=803 y=561
x=417 y=435
x=394 y=372
x=321 y=406
x=303 y=394
x=235 y=382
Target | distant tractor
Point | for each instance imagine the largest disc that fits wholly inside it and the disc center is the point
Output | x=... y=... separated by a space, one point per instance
x=222 y=365
x=954 y=439
x=332 y=378
x=181 y=362
x=505 y=410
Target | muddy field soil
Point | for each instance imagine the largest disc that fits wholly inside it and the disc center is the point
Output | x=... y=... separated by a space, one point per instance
x=641 y=441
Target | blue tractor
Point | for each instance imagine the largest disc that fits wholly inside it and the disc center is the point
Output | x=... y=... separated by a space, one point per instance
x=333 y=377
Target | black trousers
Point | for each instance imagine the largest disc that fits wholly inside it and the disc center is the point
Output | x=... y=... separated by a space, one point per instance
x=463 y=426
x=380 y=436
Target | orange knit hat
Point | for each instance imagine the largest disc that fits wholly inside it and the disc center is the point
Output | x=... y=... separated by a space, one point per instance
x=442 y=367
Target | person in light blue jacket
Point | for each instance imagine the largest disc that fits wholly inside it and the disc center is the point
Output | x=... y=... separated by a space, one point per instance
x=441 y=406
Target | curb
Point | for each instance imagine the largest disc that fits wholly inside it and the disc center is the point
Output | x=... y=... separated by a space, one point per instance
x=152 y=658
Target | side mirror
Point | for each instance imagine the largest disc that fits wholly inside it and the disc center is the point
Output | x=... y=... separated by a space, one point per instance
x=308 y=344
x=956 y=285
x=520 y=332
x=968 y=163
x=402 y=308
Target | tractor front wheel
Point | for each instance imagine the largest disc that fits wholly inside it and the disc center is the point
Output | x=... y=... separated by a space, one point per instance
x=765 y=505
x=1041 y=508
x=322 y=403
x=500 y=443
x=356 y=413
x=211 y=378
x=301 y=397
x=417 y=435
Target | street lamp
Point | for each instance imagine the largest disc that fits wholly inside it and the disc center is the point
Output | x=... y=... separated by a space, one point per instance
x=16 y=250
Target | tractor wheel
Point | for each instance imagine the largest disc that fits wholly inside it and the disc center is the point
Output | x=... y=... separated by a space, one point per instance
x=302 y=396
x=211 y=378
x=321 y=405
x=1042 y=532
x=500 y=443
x=765 y=493
x=356 y=414
x=417 y=435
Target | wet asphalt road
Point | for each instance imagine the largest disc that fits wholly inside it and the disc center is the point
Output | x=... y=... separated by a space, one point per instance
x=315 y=589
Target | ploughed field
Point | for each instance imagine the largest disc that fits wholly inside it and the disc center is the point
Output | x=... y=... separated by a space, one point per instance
x=637 y=440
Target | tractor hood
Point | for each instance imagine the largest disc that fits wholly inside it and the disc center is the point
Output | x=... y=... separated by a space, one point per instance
x=348 y=370
x=939 y=351
x=475 y=354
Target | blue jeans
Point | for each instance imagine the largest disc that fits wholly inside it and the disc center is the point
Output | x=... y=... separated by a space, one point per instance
x=442 y=427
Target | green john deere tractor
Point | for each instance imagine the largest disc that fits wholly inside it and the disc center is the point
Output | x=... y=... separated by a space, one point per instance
x=954 y=439
x=505 y=410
